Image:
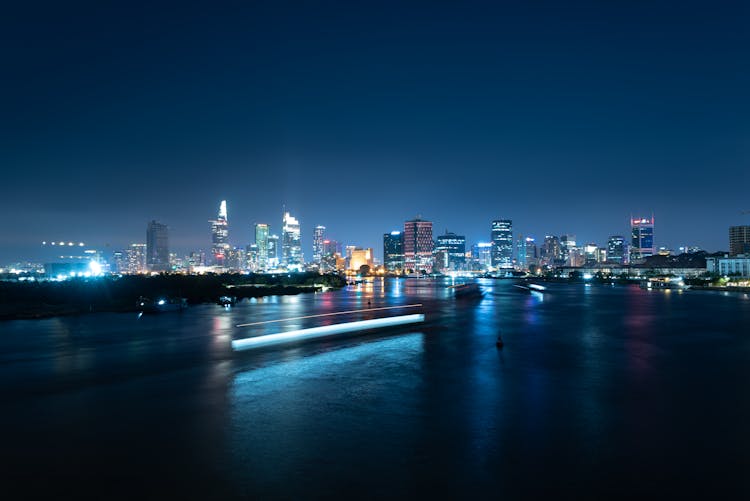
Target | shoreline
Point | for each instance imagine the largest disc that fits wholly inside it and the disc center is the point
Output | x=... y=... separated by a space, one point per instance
x=36 y=301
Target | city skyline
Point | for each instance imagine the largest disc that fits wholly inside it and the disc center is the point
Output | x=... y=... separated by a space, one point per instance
x=578 y=115
x=307 y=237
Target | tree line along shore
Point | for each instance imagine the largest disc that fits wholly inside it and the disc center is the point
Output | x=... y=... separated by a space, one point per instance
x=41 y=299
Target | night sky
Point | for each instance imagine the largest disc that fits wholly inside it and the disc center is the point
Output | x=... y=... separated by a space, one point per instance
x=565 y=117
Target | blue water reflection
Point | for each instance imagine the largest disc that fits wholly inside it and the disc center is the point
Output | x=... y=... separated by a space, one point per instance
x=606 y=384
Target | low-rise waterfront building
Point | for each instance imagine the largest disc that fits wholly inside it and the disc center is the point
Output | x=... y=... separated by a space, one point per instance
x=734 y=266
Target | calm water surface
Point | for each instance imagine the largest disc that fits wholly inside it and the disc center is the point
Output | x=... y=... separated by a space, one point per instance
x=599 y=391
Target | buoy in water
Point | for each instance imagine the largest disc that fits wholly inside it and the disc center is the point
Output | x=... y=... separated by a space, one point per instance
x=499 y=343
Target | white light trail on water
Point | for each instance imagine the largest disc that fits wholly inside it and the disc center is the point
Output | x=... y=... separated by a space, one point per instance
x=326 y=330
x=331 y=314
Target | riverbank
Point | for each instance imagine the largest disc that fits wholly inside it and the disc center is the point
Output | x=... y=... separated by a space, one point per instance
x=720 y=288
x=33 y=300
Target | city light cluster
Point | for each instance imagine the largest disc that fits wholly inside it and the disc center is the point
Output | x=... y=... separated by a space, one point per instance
x=412 y=250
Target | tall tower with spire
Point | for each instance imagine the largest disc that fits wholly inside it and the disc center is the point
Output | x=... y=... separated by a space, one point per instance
x=220 y=236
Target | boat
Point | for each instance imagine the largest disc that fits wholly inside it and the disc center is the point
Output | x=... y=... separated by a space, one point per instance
x=530 y=288
x=226 y=300
x=161 y=305
x=664 y=283
x=469 y=290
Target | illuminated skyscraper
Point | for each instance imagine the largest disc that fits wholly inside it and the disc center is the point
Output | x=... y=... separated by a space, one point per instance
x=616 y=249
x=481 y=253
x=521 y=252
x=157 y=247
x=502 y=243
x=291 y=249
x=119 y=262
x=273 y=251
x=418 y=245
x=393 y=251
x=531 y=252
x=642 y=238
x=136 y=255
x=739 y=240
x=453 y=248
x=220 y=236
x=318 y=238
x=261 y=241
x=567 y=244
x=590 y=253
x=551 y=253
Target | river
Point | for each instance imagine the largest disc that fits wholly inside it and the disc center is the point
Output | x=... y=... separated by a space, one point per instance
x=599 y=391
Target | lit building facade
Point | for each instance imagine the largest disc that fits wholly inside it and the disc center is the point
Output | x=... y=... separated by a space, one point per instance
x=642 y=238
x=520 y=252
x=291 y=248
x=273 y=251
x=331 y=251
x=157 y=246
x=551 y=252
x=360 y=257
x=418 y=245
x=590 y=253
x=739 y=240
x=261 y=243
x=734 y=266
x=136 y=256
x=453 y=251
x=220 y=236
x=616 y=249
x=318 y=238
x=119 y=262
x=502 y=243
x=393 y=251
x=481 y=254
x=252 y=261
x=532 y=258
x=567 y=244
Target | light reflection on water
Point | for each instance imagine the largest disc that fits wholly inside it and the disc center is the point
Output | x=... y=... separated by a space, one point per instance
x=597 y=382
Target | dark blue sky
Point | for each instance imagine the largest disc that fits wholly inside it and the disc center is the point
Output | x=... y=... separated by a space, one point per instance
x=565 y=117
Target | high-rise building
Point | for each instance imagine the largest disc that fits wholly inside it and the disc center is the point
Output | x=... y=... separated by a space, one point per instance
x=521 y=252
x=291 y=248
x=331 y=247
x=567 y=244
x=119 y=262
x=252 y=257
x=318 y=238
x=393 y=251
x=273 y=251
x=739 y=240
x=531 y=252
x=157 y=247
x=642 y=238
x=502 y=243
x=331 y=251
x=453 y=248
x=196 y=258
x=616 y=249
x=136 y=255
x=481 y=255
x=591 y=253
x=261 y=242
x=220 y=236
x=418 y=245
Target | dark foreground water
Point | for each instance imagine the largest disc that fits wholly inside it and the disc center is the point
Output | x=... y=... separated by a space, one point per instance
x=599 y=392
